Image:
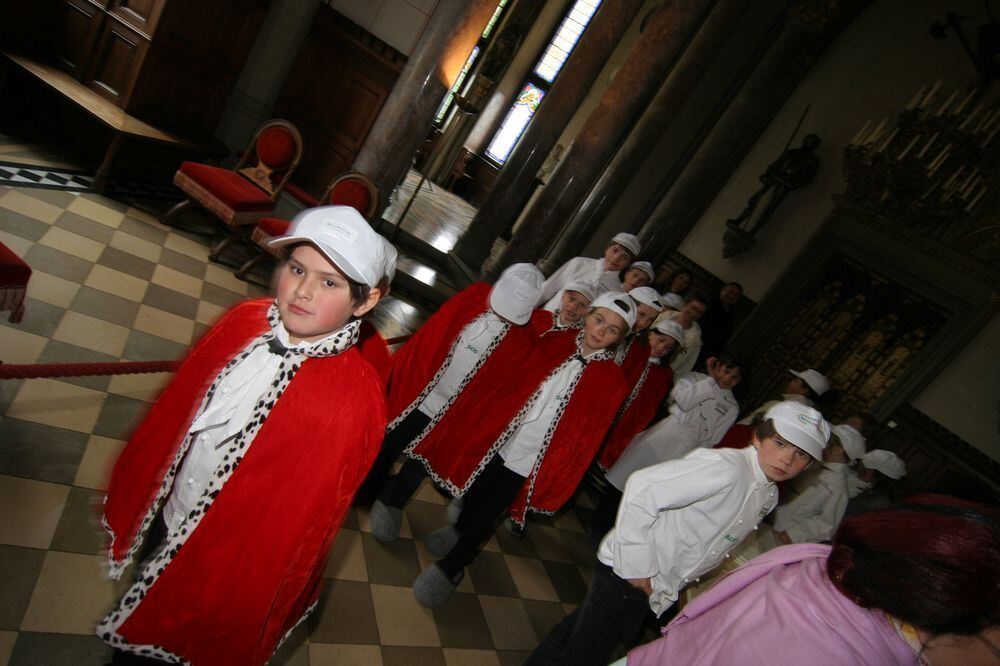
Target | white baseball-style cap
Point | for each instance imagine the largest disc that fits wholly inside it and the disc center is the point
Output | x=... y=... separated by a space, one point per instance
x=645 y=267
x=801 y=425
x=814 y=379
x=671 y=328
x=619 y=303
x=585 y=289
x=628 y=241
x=515 y=293
x=344 y=237
x=647 y=296
x=391 y=255
x=852 y=440
x=886 y=462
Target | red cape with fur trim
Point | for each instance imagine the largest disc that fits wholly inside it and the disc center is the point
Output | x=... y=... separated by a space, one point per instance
x=635 y=359
x=639 y=414
x=374 y=349
x=252 y=567
x=595 y=401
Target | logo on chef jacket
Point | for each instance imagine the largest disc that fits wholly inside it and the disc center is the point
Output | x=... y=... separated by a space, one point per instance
x=731 y=539
x=472 y=349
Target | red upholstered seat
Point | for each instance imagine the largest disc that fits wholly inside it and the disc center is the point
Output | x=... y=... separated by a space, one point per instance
x=352 y=192
x=242 y=195
x=306 y=199
x=232 y=189
x=14 y=276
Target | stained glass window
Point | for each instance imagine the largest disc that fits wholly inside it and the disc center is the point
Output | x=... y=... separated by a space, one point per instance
x=542 y=76
x=515 y=122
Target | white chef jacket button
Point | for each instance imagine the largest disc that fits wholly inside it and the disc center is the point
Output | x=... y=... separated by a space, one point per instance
x=204 y=437
x=697 y=580
x=189 y=481
x=740 y=521
x=225 y=390
x=713 y=552
x=727 y=556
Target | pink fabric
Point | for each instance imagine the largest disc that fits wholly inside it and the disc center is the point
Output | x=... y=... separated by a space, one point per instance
x=778 y=609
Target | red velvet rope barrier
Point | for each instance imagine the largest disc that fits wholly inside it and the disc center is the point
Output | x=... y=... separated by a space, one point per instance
x=40 y=370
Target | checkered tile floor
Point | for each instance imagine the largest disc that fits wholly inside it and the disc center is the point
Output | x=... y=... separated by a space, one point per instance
x=28 y=175
x=111 y=283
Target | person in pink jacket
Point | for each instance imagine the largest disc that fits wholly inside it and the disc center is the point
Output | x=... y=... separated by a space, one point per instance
x=914 y=583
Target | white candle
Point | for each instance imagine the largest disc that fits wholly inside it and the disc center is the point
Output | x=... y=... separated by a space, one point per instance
x=861 y=132
x=885 y=144
x=930 y=189
x=930 y=95
x=955 y=175
x=936 y=164
x=968 y=190
x=930 y=143
x=876 y=133
x=916 y=98
x=965 y=101
x=972 y=115
x=907 y=149
x=990 y=137
x=947 y=103
x=976 y=199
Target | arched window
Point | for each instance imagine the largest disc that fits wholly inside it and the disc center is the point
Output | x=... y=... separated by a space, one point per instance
x=540 y=80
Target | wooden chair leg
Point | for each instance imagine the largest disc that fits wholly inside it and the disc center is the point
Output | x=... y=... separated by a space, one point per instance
x=180 y=207
x=238 y=234
x=243 y=270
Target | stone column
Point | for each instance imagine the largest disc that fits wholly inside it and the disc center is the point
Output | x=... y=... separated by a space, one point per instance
x=697 y=56
x=502 y=204
x=408 y=114
x=252 y=100
x=802 y=37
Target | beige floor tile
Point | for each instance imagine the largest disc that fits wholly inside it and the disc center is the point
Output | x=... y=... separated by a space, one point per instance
x=20 y=346
x=168 y=277
x=583 y=500
x=117 y=283
x=493 y=545
x=509 y=623
x=30 y=206
x=91 y=209
x=569 y=522
x=404 y=529
x=457 y=657
x=191 y=248
x=209 y=313
x=224 y=278
x=401 y=620
x=17 y=245
x=92 y=333
x=164 y=324
x=347 y=558
x=548 y=543
x=98 y=458
x=328 y=654
x=531 y=578
x=569 y=608
x=73 y=244
x=143 y=216
x=137 y=246
x=426 y=559
x=145 y=386
x=427 y=493
x=72 y=595
x=30 y=511
x=7 y=639
x=52 y=289
x=57 y=404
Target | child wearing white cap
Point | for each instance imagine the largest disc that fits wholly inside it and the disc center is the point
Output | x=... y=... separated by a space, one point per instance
x=634 y=350
x=694 y=307
x=573 y=305
x=678 y=520
x=638 y=274
x=814 y=515
x=473 y=343
x=541 y=455
x=805 y=387
x=241 y=474
x=602 y=273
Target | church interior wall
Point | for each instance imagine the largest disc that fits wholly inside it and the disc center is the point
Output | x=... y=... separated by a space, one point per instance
x=398 y=23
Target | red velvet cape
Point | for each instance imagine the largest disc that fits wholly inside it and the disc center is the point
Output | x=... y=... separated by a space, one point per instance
x=638 y=415
x=585 y=421
x=374 y=349
x=635 y=359
x=251 y=568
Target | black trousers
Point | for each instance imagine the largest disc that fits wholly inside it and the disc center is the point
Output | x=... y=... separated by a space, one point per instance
x=486 y=501
x=392 y=446
x=610 y=615
x=605 y=514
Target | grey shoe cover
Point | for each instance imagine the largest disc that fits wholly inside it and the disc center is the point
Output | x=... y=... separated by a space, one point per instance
x=433 y=587
x=385 y=521
x=441 y=541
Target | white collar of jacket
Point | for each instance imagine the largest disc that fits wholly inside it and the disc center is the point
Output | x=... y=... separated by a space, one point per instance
x=758 y=474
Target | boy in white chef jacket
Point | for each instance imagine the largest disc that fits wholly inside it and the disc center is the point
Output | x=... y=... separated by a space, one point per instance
x=602 y=273
x=678 y=520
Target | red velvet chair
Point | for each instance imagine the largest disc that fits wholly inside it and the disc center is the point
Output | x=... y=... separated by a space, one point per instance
x=14 y=276
x=241 y=196
x=348 y=189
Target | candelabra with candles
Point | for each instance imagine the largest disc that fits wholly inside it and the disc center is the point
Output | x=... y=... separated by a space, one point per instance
x=933 y=167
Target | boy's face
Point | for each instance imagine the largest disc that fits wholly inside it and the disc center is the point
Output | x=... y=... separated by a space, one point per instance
x=796 y=386
x=602 y=329
x=780 y=459
x=680 y=282
x=314 y=296
x=660 y=345
x=644 y=316
x=616 y=257
x=572 y=307
x=634 y=277
x=693 y=310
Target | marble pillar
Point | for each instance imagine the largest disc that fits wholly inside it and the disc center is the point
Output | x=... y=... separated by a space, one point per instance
x=408 y=113
x=802 y=37
x=263 y=76
x=658 y=115
x=502 y=205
